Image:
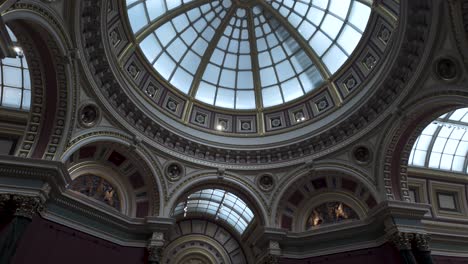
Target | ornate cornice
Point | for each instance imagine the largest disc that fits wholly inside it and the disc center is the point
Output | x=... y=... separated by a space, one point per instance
x=52 y=173
x=49 y=180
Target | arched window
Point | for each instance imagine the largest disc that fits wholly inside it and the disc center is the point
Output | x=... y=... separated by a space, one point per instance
x=15 y=83
x=218 y=203
x=443 y=144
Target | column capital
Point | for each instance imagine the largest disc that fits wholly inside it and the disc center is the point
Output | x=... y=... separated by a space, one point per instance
x=4 y=198
x=422 y=242
x=402 y=240
x=271 y=259
x=27 y=206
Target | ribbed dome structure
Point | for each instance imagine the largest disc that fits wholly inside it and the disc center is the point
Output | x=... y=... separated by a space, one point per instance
x=247 y=54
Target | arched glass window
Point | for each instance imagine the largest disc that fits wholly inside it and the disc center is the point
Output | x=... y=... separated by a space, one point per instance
x=218 y=203
x=15 y=83
x=443 y=144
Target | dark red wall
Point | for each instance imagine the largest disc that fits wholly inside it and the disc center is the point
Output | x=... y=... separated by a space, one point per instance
x=385 y=254
x=449 y=260
x=48 y=242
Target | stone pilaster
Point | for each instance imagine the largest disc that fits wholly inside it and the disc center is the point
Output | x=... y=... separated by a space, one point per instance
x=25 y=208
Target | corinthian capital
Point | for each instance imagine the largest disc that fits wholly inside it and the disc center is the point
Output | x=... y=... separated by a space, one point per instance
x=422 y=242
x=4 y=198
x=271 y=259
x=402 y=240
x=27 y=206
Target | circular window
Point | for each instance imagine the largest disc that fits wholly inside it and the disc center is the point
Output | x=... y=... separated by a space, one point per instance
x=247 y=54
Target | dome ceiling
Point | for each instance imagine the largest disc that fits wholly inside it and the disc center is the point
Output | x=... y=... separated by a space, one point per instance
x=246 y=54
x=162 y=114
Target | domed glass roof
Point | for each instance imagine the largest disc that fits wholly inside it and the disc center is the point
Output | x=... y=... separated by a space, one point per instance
x=247 y=54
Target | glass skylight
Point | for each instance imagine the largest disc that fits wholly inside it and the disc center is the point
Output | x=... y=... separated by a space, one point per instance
x=247 y=54
x=443 y=144
x=15 y=83
x=219 y=204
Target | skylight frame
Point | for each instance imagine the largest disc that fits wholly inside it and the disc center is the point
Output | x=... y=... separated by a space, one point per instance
x=219 y=204
x=301 y=82
x=15 y=80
